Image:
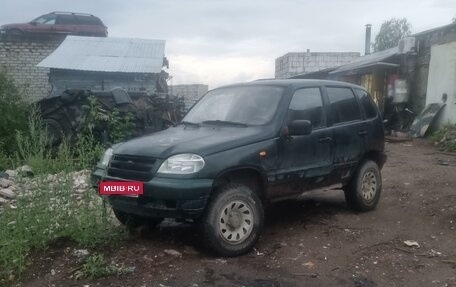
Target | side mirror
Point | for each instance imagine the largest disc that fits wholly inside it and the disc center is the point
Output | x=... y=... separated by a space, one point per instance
x=299 y=128
x=33 y=23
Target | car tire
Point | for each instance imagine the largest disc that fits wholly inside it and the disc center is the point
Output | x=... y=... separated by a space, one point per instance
x=363 y=191
x=132 y=221
x=233 y=220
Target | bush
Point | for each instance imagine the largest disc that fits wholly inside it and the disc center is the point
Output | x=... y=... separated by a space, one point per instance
x=445 y=137
x=13 y=118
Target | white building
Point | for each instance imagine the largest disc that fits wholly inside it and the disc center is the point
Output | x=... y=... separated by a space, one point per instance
x=191 y=93
x=292 y=64
x=441 y=85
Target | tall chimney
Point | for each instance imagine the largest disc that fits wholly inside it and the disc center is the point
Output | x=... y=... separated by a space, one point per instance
x=367 y=48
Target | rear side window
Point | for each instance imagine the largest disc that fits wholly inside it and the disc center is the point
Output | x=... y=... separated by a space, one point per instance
x=88 y=20
x=307 y=104
x=66 y=20
x=367 y=103
x=344 y=107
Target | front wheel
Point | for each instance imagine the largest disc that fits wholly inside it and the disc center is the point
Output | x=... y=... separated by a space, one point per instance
x=233 y=220
x=363 y=192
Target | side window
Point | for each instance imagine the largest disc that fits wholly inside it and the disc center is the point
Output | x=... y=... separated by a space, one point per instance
x=46 y=19
x=344 y=107
x=367 y=103
x=66 y=20
x=307 y=104
x=88 y=20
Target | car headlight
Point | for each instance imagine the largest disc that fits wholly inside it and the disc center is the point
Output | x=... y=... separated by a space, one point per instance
x=186 y=163
x=106 y=157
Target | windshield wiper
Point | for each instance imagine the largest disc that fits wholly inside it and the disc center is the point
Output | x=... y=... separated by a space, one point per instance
x=188 y=124
x=219 y=122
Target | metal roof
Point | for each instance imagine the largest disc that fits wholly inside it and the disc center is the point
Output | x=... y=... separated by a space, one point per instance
x=367 y=60
x=310 y=74
x=107 y=55
x=441 y=28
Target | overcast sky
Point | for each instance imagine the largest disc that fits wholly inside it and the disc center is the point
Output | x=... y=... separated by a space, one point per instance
x=219 y=42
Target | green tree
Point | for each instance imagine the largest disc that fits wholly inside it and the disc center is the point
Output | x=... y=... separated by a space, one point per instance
x=391 y=32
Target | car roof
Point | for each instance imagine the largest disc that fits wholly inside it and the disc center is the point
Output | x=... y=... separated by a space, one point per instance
x=72 y=13
x=295 y=83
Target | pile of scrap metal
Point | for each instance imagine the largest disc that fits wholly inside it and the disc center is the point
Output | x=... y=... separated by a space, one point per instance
x=66 y=115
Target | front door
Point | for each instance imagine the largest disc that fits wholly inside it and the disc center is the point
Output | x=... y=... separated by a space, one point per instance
x=44 y=24
x=306 y=159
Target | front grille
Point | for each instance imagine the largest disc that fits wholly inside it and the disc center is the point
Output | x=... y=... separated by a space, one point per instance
x=131 y=167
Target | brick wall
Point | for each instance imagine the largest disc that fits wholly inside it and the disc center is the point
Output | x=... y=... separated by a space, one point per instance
x=19 y=57
x=191 y=93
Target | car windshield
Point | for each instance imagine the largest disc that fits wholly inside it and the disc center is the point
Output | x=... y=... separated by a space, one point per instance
x=46 y=19
x=242 y=105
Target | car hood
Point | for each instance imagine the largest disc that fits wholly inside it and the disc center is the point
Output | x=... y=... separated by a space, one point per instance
x=13 y=25
x=203 y=140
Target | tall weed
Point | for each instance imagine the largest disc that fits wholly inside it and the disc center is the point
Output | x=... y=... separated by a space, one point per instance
x=48 y=209
x=13 y=118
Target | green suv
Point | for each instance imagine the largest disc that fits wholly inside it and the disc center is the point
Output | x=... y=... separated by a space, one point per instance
x=244 y=146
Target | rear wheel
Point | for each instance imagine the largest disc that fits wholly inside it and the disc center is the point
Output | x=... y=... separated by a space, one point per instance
x=133 y=221
x=363 y=192
x=233 y=220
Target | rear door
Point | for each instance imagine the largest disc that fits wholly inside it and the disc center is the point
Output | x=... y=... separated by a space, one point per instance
x=66 y=23
x=349 y=130
x=375 y=139
x=89 y=25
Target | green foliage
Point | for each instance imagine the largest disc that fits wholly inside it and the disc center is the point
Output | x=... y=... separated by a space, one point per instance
x=391 y=32
x=12 y=116
x=118 y=126
x=5 y=160
x=47 y=211
x=445 y=138
x=47 y=207
x=34 y=148
x=96 y=267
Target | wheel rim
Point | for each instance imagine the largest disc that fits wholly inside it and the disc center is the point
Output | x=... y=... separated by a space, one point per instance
x=236 y=222
x=369 y=186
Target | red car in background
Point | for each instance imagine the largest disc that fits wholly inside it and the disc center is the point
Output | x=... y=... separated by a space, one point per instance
x=59 y=23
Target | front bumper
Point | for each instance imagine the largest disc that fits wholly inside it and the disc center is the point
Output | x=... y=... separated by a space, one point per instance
x=163 y=197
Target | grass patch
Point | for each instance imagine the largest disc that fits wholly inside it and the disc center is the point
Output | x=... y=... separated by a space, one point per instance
x=96 y=266
x=445 y=137
x=49 y=209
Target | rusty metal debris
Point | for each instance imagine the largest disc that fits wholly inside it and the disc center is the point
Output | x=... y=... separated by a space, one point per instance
x=424 y=120
x=446 y=162
x=66 y=115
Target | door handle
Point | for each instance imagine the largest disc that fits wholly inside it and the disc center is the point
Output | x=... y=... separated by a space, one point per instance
x=325 y=140
x=362 y=133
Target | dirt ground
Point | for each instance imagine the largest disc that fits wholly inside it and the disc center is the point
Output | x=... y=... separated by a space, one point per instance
x=315 y=241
